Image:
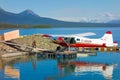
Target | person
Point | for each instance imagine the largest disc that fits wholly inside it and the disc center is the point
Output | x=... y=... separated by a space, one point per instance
x=34 y=44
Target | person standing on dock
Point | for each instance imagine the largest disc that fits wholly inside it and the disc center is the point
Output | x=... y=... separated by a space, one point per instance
x=34 y=44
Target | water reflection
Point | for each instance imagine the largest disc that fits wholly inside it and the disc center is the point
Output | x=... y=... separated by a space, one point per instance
x=82 y=68
x=65 y=67
x=10 y=71
x=106 y=70
x=7 y=64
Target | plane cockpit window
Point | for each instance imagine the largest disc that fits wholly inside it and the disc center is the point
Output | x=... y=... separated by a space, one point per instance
x=69 y=40
x=65 y=38
x=78 y=39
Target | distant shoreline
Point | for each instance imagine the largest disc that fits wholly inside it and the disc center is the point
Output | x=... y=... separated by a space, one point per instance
x=69 y=25
x=14 y=26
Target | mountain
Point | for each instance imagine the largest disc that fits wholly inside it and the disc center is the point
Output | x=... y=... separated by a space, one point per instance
x=30 y=18
x=114 y=21
x=28 y=12
x=25 y=17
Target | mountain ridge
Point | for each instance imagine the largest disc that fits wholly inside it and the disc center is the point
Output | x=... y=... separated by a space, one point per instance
x=25 y=17
x=28 y=12
x=30 y=18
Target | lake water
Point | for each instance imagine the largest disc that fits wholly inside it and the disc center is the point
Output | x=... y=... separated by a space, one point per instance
x=103 y=66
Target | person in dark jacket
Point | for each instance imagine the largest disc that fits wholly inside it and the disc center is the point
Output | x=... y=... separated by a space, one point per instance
x=34 y=44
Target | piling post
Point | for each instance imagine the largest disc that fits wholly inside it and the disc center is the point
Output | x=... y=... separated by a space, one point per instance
x=102 y=49
x=108 y=49
x=114 y=49
x=92 y=49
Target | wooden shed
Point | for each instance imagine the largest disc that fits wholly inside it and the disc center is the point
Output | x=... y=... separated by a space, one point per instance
x=9 y=35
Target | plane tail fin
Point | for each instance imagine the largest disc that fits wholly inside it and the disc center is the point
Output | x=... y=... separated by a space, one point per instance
x=107 y=39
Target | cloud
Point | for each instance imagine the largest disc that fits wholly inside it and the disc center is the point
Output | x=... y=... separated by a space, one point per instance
x=108 y=15
x=79 y=15
x=92 y=20
x=101 y=19
x=75 y=15
x=72 y=19
x=80 y=19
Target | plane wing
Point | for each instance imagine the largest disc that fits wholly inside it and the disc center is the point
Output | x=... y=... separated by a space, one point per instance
x=75 y=35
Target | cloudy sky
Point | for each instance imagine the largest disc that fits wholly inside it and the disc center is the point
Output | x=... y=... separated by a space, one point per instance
x=68 y=10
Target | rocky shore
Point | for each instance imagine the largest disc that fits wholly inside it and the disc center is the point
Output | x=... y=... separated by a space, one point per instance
x=4 y=49
x=41 y=42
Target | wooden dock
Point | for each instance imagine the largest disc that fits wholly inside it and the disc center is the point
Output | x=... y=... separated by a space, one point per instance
x=66 y=54
x=83 y=52
x=99 y=49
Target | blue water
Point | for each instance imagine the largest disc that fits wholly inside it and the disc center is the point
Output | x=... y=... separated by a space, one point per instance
x=103 y=66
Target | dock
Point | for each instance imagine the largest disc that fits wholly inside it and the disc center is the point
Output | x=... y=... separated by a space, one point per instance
x=82 y=52
x=99 y=49
x=66 y=54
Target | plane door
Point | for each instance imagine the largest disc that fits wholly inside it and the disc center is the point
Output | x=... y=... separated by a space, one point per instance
x=72 y=41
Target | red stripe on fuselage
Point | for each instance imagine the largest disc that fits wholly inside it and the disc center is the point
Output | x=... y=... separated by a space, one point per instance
x=87 y=45
x=80 y=44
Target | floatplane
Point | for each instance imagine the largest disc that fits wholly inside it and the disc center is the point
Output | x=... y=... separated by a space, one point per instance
x=81 y=40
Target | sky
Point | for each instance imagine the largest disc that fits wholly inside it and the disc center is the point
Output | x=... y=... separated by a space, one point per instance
x=68 y=10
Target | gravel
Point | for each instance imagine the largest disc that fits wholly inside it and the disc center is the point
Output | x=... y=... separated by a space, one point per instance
x=41 y=42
